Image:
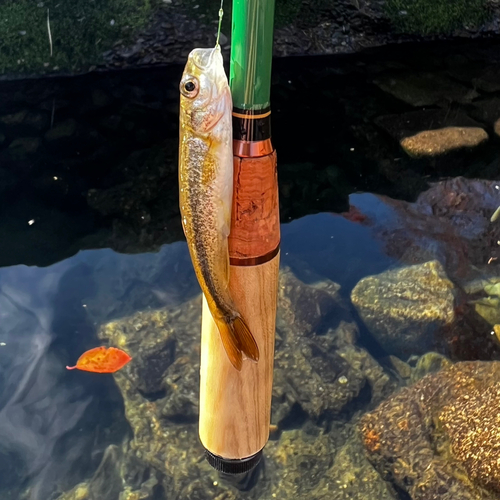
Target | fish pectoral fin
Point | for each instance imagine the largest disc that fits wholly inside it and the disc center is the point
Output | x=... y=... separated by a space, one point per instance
x=230 y=343
x=245 y=339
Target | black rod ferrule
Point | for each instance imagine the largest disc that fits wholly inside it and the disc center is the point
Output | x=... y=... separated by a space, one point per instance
x=233 y=466
x=251 y=125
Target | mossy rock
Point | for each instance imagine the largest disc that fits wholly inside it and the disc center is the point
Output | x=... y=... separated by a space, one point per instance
x=432 y=17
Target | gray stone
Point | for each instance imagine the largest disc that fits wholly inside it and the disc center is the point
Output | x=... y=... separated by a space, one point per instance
x=24 y=146
x=14 y=118
x=405 y=308
x=61 y=130
x=489 y=80
x=425 y=89
x=486 y=110
x=100 y=98
x=37 y=120
x=403 y=125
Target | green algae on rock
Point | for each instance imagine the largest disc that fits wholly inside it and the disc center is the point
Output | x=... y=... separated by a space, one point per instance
x=430 y=362
x=321 y=467
x=488 y=307
x=405 y=308
x=439 y=438
x=352 y=477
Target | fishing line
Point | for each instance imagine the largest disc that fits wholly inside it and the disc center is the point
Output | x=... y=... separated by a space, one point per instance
x=50 y=34
x=221 y=13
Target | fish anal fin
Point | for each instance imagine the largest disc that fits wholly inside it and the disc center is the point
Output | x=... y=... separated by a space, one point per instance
x=230 y=343
x=245 y=339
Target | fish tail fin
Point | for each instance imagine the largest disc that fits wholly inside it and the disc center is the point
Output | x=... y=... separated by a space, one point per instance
x=237 y=339
x=230 y=343
x=247 y=341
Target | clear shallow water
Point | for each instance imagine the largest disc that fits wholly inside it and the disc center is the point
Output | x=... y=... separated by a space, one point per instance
x=348 y=212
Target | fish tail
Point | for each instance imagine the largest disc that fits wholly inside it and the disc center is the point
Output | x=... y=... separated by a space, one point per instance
x=237 y=340
x=248 y=345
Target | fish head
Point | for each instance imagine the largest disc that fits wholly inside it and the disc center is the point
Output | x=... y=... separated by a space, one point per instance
x=205 y=94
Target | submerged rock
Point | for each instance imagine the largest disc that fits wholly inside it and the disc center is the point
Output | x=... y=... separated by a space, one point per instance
x=489 y=307
x=496 y=127
x=400 y=367
x=165 y=347
x=439 y=438
x=489 y=80
x=14 y=118
x=106 y=483
x=430 y=362
x=440 y=141
x=62 y=130
x=425 y=89
x=325 y=466
x=352 y=477
x=486 y=110
x=449 y=222
x=318 y=371
x=23 y=146
x=403 y=125
x=405 y=308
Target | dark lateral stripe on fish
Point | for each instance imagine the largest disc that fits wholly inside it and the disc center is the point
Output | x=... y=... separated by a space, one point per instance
x=251 y=126
x=255 y=261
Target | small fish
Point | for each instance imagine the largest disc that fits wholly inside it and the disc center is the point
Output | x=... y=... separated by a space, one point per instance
x=206 y=192
x=101 y=360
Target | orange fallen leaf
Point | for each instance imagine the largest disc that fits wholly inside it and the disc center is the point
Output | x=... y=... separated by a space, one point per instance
x=101 y=360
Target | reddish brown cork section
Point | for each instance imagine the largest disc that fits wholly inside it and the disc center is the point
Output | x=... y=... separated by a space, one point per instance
x=255 y=222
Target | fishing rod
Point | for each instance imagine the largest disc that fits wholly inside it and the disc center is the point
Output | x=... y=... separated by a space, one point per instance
x=235 y=406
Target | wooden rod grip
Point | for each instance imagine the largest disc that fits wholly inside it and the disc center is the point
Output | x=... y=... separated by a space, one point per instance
x=235 y=407
x=255 y=220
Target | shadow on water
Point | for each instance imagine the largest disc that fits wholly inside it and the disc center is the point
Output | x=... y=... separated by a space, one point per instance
x=88 y=193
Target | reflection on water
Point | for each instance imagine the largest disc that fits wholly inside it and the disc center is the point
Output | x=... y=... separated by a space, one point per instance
x=388 y=274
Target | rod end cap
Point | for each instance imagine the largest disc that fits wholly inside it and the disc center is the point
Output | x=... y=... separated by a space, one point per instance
x=233 y=466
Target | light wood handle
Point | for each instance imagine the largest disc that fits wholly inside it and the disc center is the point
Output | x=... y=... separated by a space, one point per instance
x=235 y=407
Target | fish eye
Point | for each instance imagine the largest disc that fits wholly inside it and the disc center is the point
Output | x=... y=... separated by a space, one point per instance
x=189 y=87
